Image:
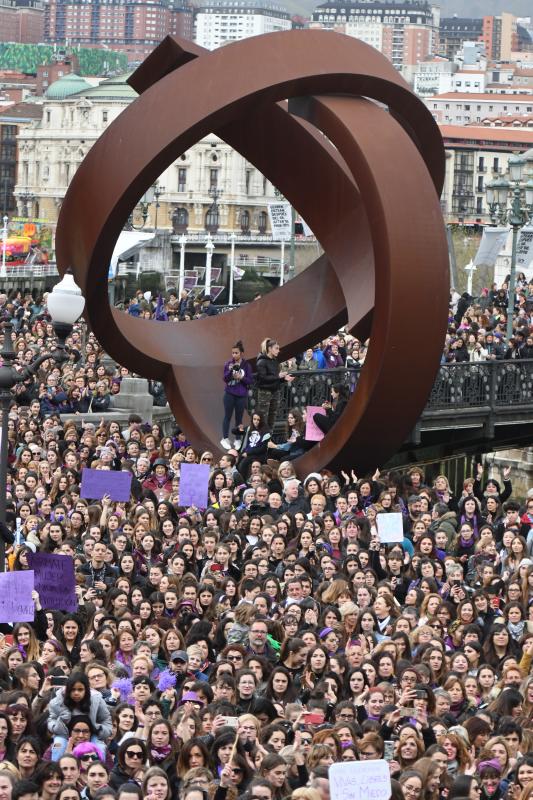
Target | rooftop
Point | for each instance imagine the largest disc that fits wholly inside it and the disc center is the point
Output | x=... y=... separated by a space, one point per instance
x=471 y=133
x=475 y=98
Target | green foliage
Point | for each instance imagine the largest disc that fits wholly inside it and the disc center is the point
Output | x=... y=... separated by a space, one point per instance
x=27 y=57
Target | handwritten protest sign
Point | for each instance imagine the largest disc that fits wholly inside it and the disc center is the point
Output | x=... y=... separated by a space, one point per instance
x=360 y=780
x=54 y=580
x=390 y=527
x=194 y=480
x=312 y=431
x=16 y=603
x=95 y=483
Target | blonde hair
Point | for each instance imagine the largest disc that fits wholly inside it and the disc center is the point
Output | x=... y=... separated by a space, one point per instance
x=266 y=343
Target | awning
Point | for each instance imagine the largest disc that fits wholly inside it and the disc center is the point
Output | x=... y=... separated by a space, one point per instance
x=127 y=243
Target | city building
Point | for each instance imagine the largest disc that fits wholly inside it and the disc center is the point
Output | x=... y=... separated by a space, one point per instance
x=405 y=32
x=16 y=86
x=22 y=21
x=461 y=108
x=455 y=31
x=475 y=153
x=210 y=189
x=132 y=26
x=12 y=121
x=434 y=76
x=222 y=21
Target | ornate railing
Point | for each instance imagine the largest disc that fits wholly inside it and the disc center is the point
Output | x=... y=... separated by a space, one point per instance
x=489 y=386
x=494 y=384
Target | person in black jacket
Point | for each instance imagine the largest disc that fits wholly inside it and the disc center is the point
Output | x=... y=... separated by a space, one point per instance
x=269 y=380
x=339 y=398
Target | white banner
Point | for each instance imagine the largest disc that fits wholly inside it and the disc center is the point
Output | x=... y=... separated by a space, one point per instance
x=280 y=220
x=524 y=247
x=492 y=243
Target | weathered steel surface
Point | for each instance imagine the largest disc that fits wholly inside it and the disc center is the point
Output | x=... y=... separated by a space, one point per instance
x=368 y=188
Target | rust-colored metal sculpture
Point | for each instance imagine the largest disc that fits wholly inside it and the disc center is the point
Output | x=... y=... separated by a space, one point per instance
x=356 y=153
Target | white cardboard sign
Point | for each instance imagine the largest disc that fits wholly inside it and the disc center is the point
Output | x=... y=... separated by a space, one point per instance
x=390 y=527
x=360 y=780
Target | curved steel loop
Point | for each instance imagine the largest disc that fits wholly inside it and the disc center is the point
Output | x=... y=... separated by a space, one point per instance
x=360 y=234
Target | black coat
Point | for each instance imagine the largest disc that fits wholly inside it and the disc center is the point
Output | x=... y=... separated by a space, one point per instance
x=267 y=373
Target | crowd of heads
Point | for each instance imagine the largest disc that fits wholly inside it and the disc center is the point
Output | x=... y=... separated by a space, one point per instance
x=242 y=649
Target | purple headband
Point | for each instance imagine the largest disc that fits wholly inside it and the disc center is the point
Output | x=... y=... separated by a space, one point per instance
x=324 y=632
x=492 y=763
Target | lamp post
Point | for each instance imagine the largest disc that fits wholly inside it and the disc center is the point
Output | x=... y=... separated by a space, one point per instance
x=470 y=269
x=158 y=191
x=231 y=268
x=209 y=246
x=5 y=220
x=516 y=214
x=183 y=242
x=65 y=305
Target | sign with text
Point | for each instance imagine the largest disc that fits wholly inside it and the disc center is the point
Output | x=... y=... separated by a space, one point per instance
x=312 y=431
x=390 y=527
x=280 y=220
x=16 y=602
x=95 y=483
x=360 y=780
x=524 y=247
x=194 y=481
x=54 y=580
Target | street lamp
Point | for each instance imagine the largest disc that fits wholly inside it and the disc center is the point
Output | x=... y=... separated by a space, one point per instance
x=152 y=194
x=26 y=197
x=5 y=220
x=65 y=304
x=520 y=211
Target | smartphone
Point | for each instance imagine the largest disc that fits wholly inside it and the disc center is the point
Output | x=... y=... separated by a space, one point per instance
x=58 y=680
x=232 y=722
x=388 y=750
x=420 y=694
x=408 y=712
x=313 y=718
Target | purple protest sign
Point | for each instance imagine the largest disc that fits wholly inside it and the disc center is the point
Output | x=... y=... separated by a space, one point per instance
x=16 y=603
x=54 y=580
x=194 y=480
x=312 y=431
x=95 y=483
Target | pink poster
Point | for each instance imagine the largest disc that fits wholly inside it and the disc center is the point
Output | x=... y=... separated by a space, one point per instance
x=312 y=432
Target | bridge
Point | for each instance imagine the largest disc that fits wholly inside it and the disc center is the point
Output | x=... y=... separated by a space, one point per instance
x=473 y=408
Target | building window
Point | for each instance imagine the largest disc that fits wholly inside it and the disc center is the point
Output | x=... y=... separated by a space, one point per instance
x=262 y=220
x=180 y=220
x=182 y=179
x=245 y=221
x=213 y=178
x=212 y=220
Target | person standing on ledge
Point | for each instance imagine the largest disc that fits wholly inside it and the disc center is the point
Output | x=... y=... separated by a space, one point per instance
x=269 y=380
x=238 y=378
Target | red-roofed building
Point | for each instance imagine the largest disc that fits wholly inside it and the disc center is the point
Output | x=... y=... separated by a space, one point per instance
x=474 y=154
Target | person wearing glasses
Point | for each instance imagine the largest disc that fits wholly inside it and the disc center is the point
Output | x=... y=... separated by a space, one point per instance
x=131 y=757
x=412 y=784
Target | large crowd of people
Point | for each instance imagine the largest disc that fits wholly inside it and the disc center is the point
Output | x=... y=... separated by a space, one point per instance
x=239 y=651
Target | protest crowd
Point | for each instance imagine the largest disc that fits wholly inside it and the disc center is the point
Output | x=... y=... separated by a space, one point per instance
x=228 y=631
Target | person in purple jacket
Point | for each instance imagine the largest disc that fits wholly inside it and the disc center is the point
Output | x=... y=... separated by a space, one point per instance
x=237 y=377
